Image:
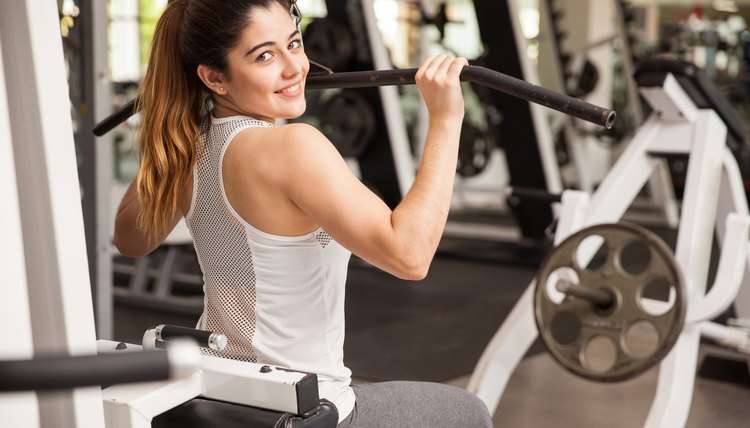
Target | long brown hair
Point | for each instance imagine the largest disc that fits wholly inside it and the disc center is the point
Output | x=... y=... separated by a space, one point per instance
x=172 y=97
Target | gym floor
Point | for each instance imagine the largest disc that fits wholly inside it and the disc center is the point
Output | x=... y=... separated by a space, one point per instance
x=436 y=329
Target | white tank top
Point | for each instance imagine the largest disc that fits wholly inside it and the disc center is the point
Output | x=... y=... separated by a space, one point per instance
x=278 y=299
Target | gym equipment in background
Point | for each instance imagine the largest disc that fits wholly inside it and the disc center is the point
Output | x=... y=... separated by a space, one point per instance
x=523 y=133
x=373 y=138
x=591 y=309
x=571 y=47
x=689 y=118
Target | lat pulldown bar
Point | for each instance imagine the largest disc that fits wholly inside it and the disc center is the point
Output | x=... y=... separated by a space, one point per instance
x=471 y=73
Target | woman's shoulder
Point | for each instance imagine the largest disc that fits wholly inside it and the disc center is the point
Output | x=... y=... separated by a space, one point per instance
x=284 y=138
x=272 y=153
x=299 y=132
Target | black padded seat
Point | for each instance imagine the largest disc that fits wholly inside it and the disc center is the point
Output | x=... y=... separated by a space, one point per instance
x=703 y=92
x=205 y=413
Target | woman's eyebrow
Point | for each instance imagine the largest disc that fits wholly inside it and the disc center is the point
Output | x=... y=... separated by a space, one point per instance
x=269 y=43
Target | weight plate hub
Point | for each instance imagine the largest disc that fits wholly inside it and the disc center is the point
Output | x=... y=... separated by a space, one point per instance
x=348 y=120
x=329 y=42
x=619 y=341
x=474 y=150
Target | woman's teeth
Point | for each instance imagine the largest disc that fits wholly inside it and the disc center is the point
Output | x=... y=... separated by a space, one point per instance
x=290 y=89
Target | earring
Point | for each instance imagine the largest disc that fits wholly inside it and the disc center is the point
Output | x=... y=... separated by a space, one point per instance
x=221 y=90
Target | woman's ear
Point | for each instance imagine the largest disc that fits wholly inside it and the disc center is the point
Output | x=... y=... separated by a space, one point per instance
x=213 y=79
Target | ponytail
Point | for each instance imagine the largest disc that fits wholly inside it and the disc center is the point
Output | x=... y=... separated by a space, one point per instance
x=171 y=99
x=170 y=103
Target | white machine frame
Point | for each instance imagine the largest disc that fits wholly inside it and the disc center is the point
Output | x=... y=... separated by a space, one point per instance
x=47 y=291
x=47 y=301
x=47 y=285
x=258 y=385
x=714 y=200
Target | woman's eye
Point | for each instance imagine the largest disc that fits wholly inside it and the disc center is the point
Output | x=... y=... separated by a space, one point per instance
x=295 y=44
x=265 y=56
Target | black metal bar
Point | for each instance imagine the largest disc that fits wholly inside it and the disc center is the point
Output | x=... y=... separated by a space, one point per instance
x=472 y=73
x=110 y=122
x=516 y=194
x=205 y=339
x=51 y=373
x=479 y=75
x=598 y=296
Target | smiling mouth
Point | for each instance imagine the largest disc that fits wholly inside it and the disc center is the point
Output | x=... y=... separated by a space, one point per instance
x=292 y=89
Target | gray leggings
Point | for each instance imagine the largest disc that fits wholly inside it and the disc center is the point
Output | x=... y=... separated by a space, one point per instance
x=415 y=404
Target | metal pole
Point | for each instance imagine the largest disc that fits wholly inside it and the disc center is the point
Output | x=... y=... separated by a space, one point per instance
x=598 y=296
x=479 y=75
x=96 y=168
x=472 y=73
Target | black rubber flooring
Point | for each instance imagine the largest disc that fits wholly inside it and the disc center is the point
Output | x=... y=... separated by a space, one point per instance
x=431 y=330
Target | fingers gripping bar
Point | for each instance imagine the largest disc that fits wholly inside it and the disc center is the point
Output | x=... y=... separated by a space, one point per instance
x=471 y=73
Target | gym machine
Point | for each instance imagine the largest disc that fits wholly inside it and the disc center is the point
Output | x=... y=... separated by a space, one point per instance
x=90 y=94
x=689 y=118
x=43 y=256
x=588 y=60
x=47 y=313
x=48 y=298
x=166 y=383
x=365 y=124
x=693 y=130
x=47 y=302
x=506 y=147
x=216 y=392
x=171 y=396
x=575 y=56
x=608 y=299
x=523 y=133
x=479 y=208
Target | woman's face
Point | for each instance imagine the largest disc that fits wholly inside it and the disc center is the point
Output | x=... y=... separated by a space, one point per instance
x=267 y=69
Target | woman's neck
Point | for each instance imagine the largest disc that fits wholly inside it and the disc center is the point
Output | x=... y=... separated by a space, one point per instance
x=222 y=110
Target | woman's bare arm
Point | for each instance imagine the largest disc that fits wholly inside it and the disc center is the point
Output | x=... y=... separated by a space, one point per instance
x=403 y=241
x=129 y=239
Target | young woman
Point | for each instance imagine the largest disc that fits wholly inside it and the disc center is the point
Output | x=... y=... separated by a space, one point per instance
x=274 y=211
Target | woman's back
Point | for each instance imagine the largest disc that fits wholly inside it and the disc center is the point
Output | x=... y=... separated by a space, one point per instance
x=279 y=299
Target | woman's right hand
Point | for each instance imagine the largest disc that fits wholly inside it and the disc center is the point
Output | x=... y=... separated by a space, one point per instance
x=440 y=86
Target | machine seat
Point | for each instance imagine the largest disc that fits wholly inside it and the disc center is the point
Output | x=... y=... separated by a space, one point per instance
x=205 y=413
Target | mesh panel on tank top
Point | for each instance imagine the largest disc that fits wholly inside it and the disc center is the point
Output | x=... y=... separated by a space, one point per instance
x=324 y=238
x=222 y=248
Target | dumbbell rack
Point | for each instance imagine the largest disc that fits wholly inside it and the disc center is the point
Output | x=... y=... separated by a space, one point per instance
x=714 y=201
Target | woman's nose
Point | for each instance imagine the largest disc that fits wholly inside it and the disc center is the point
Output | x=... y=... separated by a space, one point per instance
x=294 y=64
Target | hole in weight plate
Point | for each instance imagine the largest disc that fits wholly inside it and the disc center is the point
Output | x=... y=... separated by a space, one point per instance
x=565 y=328
x=599 y=354
x=656 y=296
x=560 y=274
x=591 y=253
x=641 y=339
x=635 y=257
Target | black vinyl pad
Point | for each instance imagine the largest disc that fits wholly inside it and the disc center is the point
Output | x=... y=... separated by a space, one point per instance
x=703 y=92
x=205 y=413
